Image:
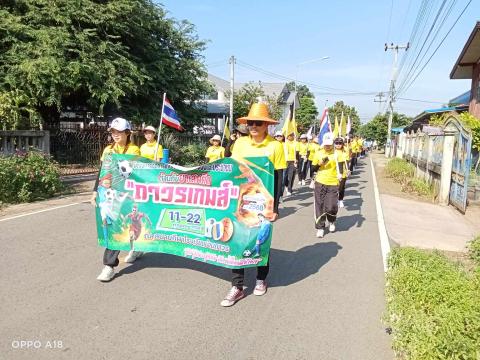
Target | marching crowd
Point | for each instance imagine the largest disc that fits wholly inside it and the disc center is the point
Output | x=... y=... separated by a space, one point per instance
x=324 y=163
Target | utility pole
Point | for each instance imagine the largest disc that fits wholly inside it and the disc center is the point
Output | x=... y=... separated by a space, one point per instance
x=391 y=100
x=380 y=95
x=232 y=89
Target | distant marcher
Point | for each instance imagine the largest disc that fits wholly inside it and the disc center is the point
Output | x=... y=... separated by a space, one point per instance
x=240 y=130
x=148 y=149
x=343 y=167
x=302 y=159
x=215 y=151
x=291 y=158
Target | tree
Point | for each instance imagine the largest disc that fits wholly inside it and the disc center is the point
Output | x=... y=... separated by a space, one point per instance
x=336 y=111
x=306 y=114
x=377 y=128
x=249 y=94
x=302 y=90
x=110 y=57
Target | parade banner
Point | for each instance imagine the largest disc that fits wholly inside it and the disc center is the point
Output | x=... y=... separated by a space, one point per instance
x=216 y=213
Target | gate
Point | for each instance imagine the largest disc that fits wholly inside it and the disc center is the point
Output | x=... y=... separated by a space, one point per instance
x=462 y=156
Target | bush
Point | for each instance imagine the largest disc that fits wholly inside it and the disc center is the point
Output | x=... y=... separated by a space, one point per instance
x=192 y=154
x=28 y=177
x=474 y=250
x=403 y=172
x=432 y=306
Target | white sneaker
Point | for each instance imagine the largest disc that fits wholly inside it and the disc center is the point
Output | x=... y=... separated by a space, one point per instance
x=312 y=184
x=303 y=182
x=299 y=183
x=107 y=274
x=331 y=227
x=289 y=193
x=320 y=233
x=341 y=204
x=132 y=256
x=260 y=288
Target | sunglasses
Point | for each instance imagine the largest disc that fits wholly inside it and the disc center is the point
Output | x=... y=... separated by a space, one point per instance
x=255 y=123
x=338 y=143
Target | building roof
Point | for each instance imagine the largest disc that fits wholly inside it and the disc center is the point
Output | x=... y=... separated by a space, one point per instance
x=462 y=99
x=470 y=55
x=270 y=89
x=219 y=83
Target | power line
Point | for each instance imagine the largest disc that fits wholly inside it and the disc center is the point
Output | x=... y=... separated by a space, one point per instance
x=422 y=101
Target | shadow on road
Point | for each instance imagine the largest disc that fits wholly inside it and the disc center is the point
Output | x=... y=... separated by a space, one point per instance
x=287 y=267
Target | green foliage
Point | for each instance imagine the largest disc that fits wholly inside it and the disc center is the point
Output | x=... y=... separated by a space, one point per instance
x=437 y=120
x=302 y=90
x=28 y=177
x=403 y=173
x=191 y=154
x=113 y=57
x=336 y=111
x=473 y=124
x=432 y=307
x=474 y=250
x=306 y=115
x=249 y=94
x=377 y=128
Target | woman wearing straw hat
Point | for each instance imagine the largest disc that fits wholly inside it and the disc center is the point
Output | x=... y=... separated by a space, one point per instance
x=148 y=149
x=215 y=151
x=258 y=143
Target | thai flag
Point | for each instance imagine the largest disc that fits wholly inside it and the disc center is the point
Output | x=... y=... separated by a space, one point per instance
x=325 y=126
x=169 y=116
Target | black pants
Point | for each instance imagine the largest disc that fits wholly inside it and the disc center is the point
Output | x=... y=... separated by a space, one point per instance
x=277 y=188
x=311 y=172
x=341 y=189
x=353 y=161
x=110 y=257
x=302 y=169
x=289 y=175
x=326 y=204
x=238 y=275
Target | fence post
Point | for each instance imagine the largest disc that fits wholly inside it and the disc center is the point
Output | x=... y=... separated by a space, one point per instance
x=446 y=171
x=46 y=142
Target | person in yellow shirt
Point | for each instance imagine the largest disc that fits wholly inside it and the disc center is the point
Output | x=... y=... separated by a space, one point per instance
x=302 y=158
x=313 y=147
x=148 y=149
x=341 y=152
x=120 y=131
x=290 y=149
x=327 y=164
x=257 y=143
x=215 y=151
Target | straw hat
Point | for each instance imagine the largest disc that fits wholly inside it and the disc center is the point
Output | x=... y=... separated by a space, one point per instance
x=258 y=111
x=215 y=137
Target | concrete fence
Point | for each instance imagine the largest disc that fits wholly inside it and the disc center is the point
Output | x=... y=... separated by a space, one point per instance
x=24 y=140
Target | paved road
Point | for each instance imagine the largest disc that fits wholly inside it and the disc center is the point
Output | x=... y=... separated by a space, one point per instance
x=325 y=299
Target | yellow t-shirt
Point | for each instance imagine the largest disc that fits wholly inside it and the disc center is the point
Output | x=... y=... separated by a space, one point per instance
x=327 y=173
x=313 y=148
x=290 y=149
x=343 y=154
x=116 y=149
x=273 y=149
x=302 y=148
x=148 y=150
x=215 y=153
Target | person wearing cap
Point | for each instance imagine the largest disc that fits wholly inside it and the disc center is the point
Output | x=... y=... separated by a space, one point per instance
x=240 y=130
x=120 y=131
x=302 y=157
x=215 y=151
x=257 y=143
x=342 y=153
x=148 y=149
x=313 y=147
x=290 y=148
x=278 y=136
x=327 y=164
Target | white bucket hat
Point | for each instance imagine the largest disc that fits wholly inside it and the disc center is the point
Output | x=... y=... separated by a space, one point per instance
x=215 y=137
x=303 y=136
x=328 y=139
x=120 y=124
x=278 y=133
x=150 y=128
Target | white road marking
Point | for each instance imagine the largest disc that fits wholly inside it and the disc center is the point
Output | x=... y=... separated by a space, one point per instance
x=41 y=211
x=384 y=243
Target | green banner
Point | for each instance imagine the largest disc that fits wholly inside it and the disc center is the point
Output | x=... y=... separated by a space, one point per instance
x=217 y=213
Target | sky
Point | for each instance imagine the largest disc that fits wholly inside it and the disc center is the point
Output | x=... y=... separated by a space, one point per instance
x=282 y=37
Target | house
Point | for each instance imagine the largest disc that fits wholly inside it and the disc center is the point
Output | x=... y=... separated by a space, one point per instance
x=468 y=67
x=216 y=104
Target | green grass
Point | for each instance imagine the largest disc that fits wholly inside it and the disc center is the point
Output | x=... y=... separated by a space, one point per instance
x=403 y=173
x=474 y=250
x=433 y=306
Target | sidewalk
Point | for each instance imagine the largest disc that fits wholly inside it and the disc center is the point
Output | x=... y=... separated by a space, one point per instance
x=415 y=222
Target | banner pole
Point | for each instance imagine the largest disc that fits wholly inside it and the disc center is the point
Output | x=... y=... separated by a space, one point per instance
x=160 y=127
x=225 y=123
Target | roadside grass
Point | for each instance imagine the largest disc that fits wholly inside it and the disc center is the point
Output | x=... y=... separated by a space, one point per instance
x=433 y=305
x=403 y=172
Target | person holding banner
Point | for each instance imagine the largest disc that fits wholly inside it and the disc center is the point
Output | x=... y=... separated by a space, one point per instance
x=120 y=131
x=258 y=143
x=148 y=149
x=342 y=153
x=327 y=164
x=215 y=151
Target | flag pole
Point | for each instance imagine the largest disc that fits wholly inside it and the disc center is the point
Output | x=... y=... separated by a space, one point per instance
x=225 y=123
x=160 y=127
